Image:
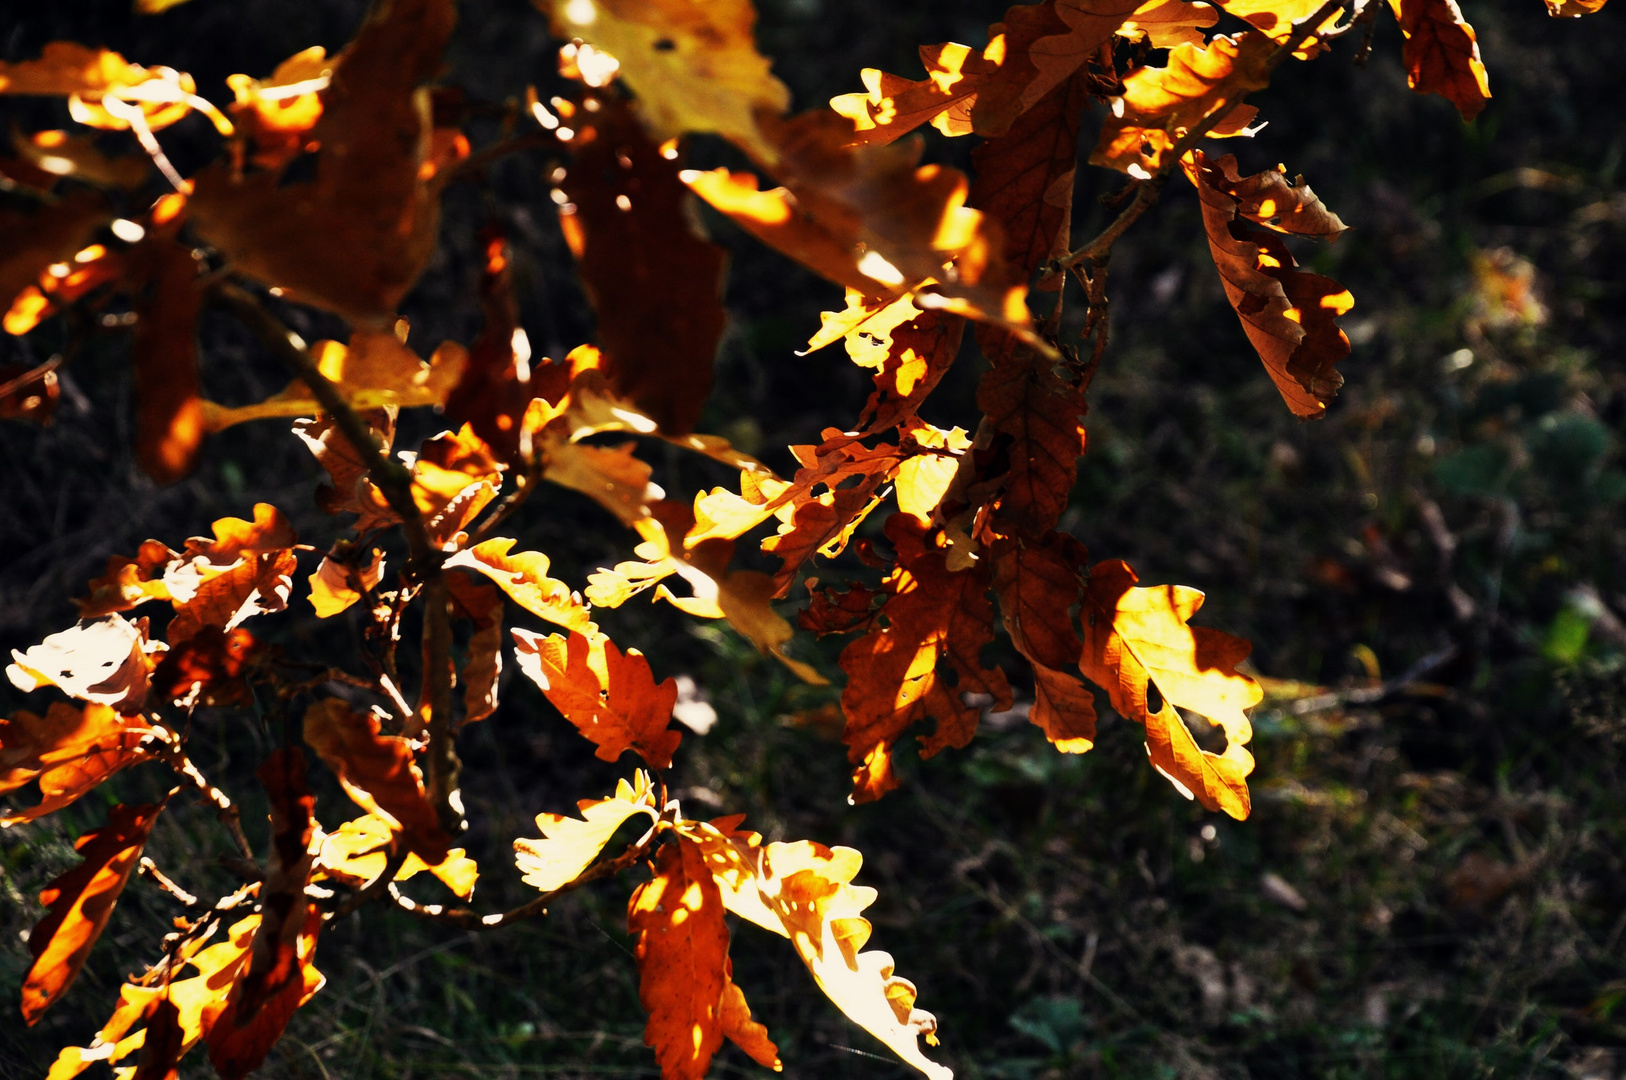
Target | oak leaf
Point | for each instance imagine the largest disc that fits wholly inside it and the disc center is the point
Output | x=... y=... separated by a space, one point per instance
x=359 y=850
x=1288 y=314
x=611 y=697
x=258 y=585
x=104 y=660
x=654 y=281
x=496 y=384
x=69 y=751
x=693 y=63
x=1038 y=584
x=355 y=237
x=481 y=604
x=1035 y=414
x=349 y=490
x=1574 y=8
x=1166 y=23
x=197 y=999
x=378 y=772
x=933 y=618
x=80 y=902
x=1441 y=54
x=734 y=1013
x=164 y=353
x=524 y=577
x=51 y=233
x=336 y=585
x=127 y=583
x=570 y=845
x=106 y=91
x=1137 y=639
x=212 y=664
x=275 y=115
x=681 y=942
x=1277 y=19
x=1161 y=104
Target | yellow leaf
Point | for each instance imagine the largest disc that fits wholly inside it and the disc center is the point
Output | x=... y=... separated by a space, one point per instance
x=524 y=577
x=571 y=844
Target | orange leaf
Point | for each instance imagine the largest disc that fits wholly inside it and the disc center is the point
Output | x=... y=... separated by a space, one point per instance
x=212 y=662
x=612 y=698
x=734 y=1013
x=933 y=616
x=279 y=975
x=80 y=902
x=164 y=352
x=481 y=604
x=378 y=773
x=355 y=237
x=103 y=88
x=676 y=919
x=1288 y=314
x=68 y=750
x=50 y=234
x=164 y=1044
x=1135 y=640
x=491 y=394
x=1160 y=104
x=358 y=852
x=102 y=660
x=524 y=577
x=128 y=583
x=571 y=844
x=1277 y=17
x=258 y=585
x=345 y=468
x=655 y=282
x=1441 y=53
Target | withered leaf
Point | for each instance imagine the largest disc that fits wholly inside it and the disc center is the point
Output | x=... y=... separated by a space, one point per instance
x=106 y=91
x=524 y=577
x=480 y=603
x=80 y=902
x=337 y=585
x=103 y=660
x=1135 y=638
x=378 y=772
x=1441 y=54
x=49 y=234
x=1287 y=313
x=932 y=617
x=656 y=284
x=611 y=697
x=1037 y=415
x=68 y=750
x=164 y=352
x=211 y=662
x=1038 y=584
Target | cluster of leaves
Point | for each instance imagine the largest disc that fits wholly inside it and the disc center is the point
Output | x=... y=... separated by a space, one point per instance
x=327 y=193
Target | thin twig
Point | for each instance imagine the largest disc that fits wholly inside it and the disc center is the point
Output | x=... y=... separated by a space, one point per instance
x=375 y=887
x=150 y=869
x=464 y=919
x=11 y=386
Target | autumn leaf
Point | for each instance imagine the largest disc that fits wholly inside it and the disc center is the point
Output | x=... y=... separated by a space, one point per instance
x=496 y=386
x=359 y=850
x=693 y=64
x=337 y=585
x=1166 y=23
x=51 y=233
x=1277 y=18
x=1161 y=104
x=734 y=1013
x=164 y=351
x=68 y=750
x=349 y=490
x=212 y=664
x=1574 y=8
x=197 y=999
x=933 y=618
x=127 y=583
x=654 y=281
x=258 y=585
x=279 y=975
x=481 y=604
x=1441 y=53
x=1137 y=639
x=681 y=942
x=378 y=772
x=1036 y=414
x=275 y=115
x=1024 y=178
x=1288 y=314
x=570 y=845
x=611 y=697
x=104 y=661
x=524 y=577
x=1038 y=584
x=79 y=904
x=354 y=238
x=808 y=887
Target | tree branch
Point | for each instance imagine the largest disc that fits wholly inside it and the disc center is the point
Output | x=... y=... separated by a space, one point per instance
x=375 y=887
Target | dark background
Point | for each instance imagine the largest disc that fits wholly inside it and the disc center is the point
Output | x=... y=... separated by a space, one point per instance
x=1431 y=883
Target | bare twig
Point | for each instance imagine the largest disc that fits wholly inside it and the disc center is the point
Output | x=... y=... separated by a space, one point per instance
x=150 y=869
x=395 y=481
x=11 y=386
x=464 y=919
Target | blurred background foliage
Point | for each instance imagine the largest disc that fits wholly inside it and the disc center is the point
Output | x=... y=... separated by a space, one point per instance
x=1433 y=881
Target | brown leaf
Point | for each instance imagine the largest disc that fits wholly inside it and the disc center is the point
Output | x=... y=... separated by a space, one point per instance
x=681 y=941
x=655 y=282
x=258 y=585
x=68 y=750
x=103 y=660
x=611 y=697
x=50 y=234
x=165 y=1043
x=491 y=395
x=481 y=604
x=164 y=352
x=1040 y=434
x=933 y=617
x=274 y=116
x=1160 y=104
x=212 y=662
x=1441 y=54
x=279 y=975
x=128 y=583
x=355 y=238
x=1024 y=178
x=1038 y=585
x=378 y=772
x=1288 y=314
x=79 y=903
x=1138 y=638
x=735 y=1015
x=345 y=467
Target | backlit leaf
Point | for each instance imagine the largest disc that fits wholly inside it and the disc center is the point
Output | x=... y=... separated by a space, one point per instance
x=68 y=750
x=524 y=577
x=570 y=845
x=1441 y=54
x=611 y=697
x=104 y=661
x=358 y=851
